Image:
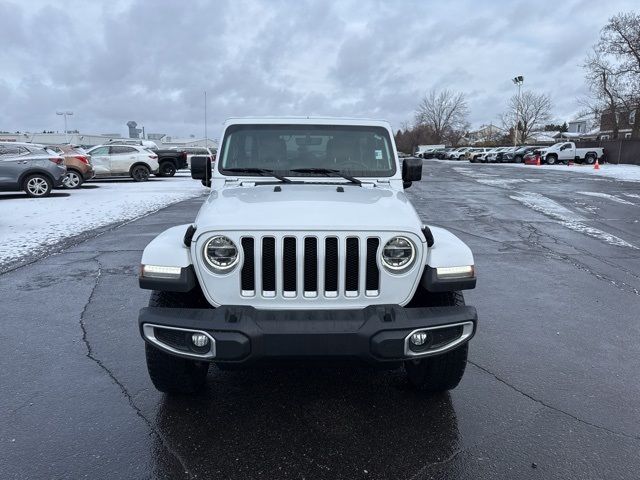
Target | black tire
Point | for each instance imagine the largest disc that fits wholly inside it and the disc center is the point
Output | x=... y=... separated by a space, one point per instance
x=441 y=372
x=590 y=159
x=517 y=159
x=73 y=180
x=140 y=173
x=551 y=160
x=168 y=373
x=167 y=169
x=37 y=185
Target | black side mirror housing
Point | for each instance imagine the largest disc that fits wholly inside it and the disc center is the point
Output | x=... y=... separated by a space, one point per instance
x=411 y=171
x=201 y=169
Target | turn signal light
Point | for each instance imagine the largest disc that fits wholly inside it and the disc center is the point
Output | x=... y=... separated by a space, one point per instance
x=466 y=271
x=159 y=271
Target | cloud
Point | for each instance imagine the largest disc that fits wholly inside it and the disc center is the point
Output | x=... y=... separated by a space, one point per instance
x=151 y=61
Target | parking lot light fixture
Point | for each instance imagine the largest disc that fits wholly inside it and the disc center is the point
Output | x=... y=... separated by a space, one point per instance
x=65 y=114
x=519 y=80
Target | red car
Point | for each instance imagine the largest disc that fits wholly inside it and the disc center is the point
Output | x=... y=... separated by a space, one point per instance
x=531 y=158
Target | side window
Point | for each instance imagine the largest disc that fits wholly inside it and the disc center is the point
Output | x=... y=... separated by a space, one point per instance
x=11 y=150
x=119 y=150
x=566 y=145
x=100 y=151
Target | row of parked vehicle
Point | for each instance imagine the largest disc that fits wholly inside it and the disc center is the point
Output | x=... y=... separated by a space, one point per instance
x=37 y=169
x=562 y=152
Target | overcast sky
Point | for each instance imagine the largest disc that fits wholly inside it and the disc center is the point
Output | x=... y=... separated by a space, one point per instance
x=151 y=60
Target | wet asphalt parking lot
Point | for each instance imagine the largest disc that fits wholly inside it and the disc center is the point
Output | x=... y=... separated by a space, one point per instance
x=551 y=389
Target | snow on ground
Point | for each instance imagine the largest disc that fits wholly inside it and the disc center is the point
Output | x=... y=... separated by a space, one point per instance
x=567 y=218
x=613 y=198
x=628 y=173
x=29 y=225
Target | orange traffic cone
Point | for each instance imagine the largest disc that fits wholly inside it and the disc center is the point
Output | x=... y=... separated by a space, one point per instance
x=537 y=160
x=597 y=165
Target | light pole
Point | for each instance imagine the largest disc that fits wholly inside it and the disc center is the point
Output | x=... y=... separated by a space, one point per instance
x=519 y=80
x=65 y=115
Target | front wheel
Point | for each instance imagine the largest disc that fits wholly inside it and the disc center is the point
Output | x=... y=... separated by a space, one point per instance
x=37 y=185
x=140 y=173
x=442 y=372
x=72 y=180
x=167 y=169
x=551 y=159
x=170 y=374
x=439 y=373
x=517 y=159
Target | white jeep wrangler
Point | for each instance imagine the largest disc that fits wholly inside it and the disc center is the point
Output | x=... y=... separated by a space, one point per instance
x=307 y=247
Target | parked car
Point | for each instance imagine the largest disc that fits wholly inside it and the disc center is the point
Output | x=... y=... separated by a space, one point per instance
x=78 y=163
x=517 y=155
x=30 y=167
x=505 y=155
x=492 y=157
x=442 y=154
x=200 y=151
x=256 y=278
x=133 y=141
x=422 y=150
x=133 y=161
x=531 y=158
x=563 y=152
x=474 y=154
x=457 y=154
x=170 y=161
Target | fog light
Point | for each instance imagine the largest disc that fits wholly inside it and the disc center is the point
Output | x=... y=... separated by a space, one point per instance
x=419 y=338
x=199 y=339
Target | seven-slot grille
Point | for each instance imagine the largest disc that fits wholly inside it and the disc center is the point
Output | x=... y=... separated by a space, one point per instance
x=310 y=267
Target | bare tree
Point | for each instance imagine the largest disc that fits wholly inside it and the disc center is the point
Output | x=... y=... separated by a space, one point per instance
x=445 y=114
x=529 y=111
x=604 y=84
x=613 y=70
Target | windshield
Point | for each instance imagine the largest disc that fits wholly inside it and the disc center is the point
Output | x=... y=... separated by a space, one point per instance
x=355 y=150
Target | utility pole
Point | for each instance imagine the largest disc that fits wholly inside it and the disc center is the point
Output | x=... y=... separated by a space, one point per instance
x=519 y=80
x=206 y=140
x=65 y=115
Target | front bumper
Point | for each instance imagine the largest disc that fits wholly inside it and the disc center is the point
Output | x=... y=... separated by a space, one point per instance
x=240 y=334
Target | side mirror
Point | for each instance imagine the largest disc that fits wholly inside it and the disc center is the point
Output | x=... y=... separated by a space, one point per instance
x=201 y=169
x=411 y=171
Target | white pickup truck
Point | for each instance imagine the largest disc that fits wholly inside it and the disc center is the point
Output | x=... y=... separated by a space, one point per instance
x=563 y=152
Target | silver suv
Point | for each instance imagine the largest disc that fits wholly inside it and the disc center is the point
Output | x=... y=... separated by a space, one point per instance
x=30 y=167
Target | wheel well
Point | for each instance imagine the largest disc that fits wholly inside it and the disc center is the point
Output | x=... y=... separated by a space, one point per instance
x=138 y=164
x=24 y=175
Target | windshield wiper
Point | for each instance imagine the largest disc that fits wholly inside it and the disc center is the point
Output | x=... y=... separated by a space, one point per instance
x=260 y=171
x=330 y=172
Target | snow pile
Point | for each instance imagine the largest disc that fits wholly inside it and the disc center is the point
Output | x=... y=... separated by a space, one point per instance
x=628 y=173
x=29 y=225
x=567 y=218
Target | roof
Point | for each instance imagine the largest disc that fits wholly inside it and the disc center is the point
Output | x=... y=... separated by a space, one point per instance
x=307 y=121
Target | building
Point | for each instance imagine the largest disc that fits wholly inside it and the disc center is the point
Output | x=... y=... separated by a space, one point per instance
x=625 y=118
x=485 y=134
x=84 y=139
x=168 y=142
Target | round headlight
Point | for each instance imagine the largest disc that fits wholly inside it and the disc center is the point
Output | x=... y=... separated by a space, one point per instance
x=220 y=253
x=398 y=254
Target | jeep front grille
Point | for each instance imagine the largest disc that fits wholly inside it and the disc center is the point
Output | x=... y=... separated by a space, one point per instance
x=309 y=267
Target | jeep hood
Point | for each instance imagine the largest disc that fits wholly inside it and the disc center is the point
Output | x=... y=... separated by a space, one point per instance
x=308 y=207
